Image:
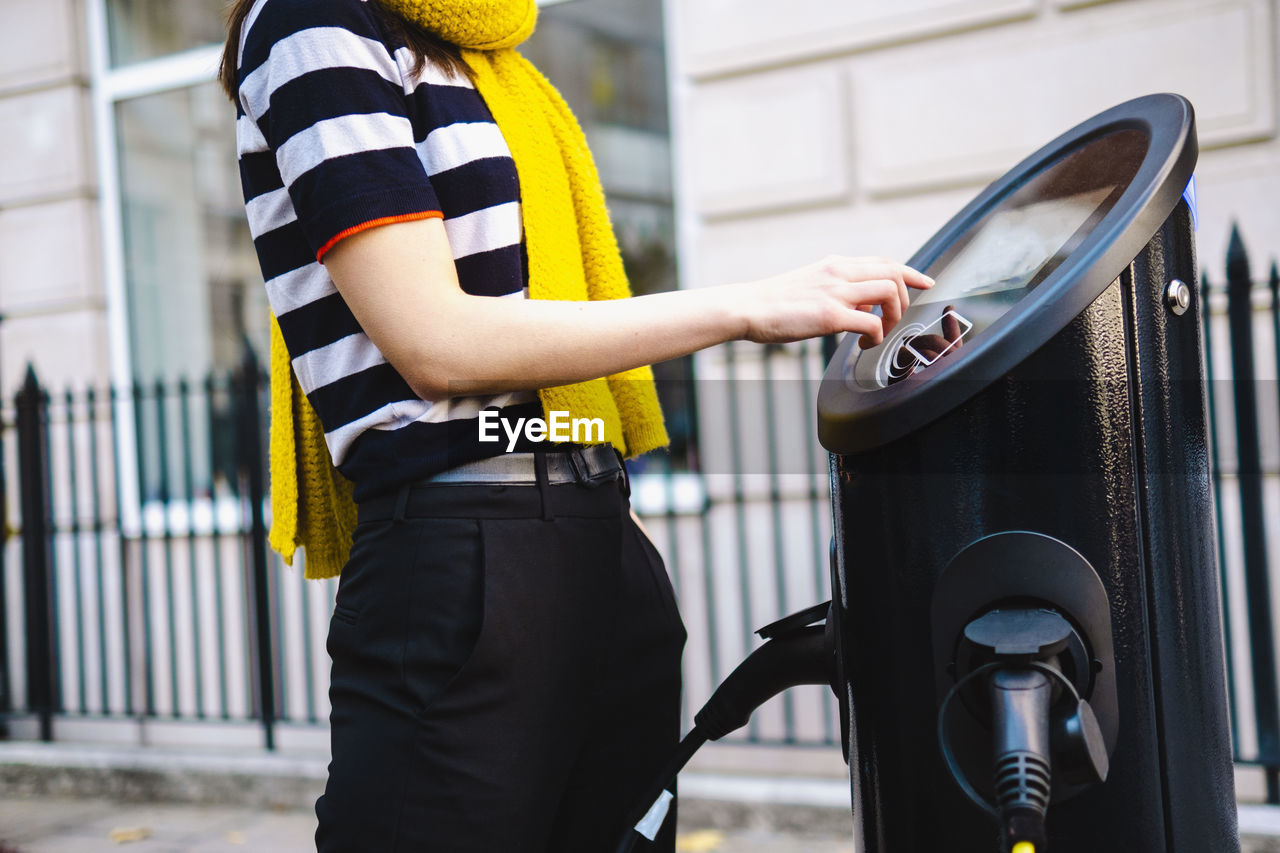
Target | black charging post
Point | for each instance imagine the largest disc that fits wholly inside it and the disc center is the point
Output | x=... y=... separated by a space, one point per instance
x=1024 y=639
x=1026 y=611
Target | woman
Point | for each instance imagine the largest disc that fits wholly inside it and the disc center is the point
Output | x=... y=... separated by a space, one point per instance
x=505 y=643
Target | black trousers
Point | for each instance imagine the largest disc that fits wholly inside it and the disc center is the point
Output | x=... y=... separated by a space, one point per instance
x=506 y=673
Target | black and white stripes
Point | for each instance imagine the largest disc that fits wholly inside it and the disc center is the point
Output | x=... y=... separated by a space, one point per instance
x=335 y=135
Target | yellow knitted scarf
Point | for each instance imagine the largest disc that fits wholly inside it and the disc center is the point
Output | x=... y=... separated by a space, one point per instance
x=573 y=255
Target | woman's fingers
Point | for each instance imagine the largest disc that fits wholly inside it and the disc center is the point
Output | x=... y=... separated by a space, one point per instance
x=864 y=295
x=861 y=269
x=915 y=278
x=875 y=273
x=891 y=307
x=868 y=325
x=836 y=294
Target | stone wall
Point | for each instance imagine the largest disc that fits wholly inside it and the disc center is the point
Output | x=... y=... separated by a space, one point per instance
x=855 y=126
x=51 y=284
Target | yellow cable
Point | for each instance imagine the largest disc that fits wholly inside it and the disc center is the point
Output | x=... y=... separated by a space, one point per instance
x=1023 y=847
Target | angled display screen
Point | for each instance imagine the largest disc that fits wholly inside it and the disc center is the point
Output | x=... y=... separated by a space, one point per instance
x=1014 y=246
x=1005 y=255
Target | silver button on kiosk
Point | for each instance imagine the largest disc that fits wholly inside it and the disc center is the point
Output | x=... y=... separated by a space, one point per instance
x=1026 y=603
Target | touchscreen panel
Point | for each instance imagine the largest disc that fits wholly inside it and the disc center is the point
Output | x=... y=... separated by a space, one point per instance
x=1005 y=255
x=1013 y=246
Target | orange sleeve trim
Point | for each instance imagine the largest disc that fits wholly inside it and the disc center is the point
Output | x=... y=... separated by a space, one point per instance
x=373 y=223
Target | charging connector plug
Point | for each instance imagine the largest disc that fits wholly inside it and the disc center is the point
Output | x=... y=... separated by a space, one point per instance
x=1014 y=682
x=1020 y=701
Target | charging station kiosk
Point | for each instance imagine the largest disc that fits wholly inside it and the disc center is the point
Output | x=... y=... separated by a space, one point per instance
x=1026 y=602
x=1024 y=636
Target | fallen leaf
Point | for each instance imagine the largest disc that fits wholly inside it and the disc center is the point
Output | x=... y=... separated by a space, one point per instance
x=702 y=841
x=125 y=834
x=236 y=838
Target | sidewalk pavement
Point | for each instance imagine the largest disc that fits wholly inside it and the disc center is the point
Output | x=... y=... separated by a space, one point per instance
x=84 y=826
x=65 y=798
x=59 y=825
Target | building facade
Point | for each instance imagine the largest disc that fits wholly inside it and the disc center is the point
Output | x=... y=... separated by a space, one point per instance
x=739 y=137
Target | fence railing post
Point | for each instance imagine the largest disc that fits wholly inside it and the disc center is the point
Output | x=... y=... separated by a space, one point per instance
x=1253 y=520
x=6 y=689
x=252 y=467
x=1273 y=288
x=1215 y=466
x=37 y=543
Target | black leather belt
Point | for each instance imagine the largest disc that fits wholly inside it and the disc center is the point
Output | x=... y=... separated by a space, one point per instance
x=574 y=465
x=430 y=497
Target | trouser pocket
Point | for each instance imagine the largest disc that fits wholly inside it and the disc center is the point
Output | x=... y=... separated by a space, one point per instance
x=446 y=607
x=657 y=569
x=409 y=608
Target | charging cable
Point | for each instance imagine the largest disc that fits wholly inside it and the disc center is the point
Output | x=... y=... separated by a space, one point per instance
x=792 y=656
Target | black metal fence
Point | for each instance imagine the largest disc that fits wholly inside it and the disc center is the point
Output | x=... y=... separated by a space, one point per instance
x=136 y=584
x=1242 y=345
x=141 y=539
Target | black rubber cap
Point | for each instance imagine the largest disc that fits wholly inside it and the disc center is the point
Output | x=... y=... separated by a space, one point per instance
x=1020 y=634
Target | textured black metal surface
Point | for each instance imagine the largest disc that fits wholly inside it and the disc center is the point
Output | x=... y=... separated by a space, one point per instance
x=1180 y=556
x=1097 y=439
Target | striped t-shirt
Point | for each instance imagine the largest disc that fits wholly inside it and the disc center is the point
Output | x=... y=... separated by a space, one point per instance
x=335 y=135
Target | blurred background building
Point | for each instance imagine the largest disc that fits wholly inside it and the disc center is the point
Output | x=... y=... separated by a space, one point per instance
x=735 y=139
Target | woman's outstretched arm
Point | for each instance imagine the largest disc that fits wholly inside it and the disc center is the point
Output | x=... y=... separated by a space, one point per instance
x=400 y=282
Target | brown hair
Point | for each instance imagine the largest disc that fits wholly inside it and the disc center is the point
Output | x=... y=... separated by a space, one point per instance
x=425 y=46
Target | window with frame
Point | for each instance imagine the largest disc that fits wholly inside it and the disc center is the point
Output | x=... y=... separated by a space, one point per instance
x=193 y=298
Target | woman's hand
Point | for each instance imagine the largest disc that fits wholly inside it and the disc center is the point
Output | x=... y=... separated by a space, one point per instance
x=836 y=294
x=400 y=282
